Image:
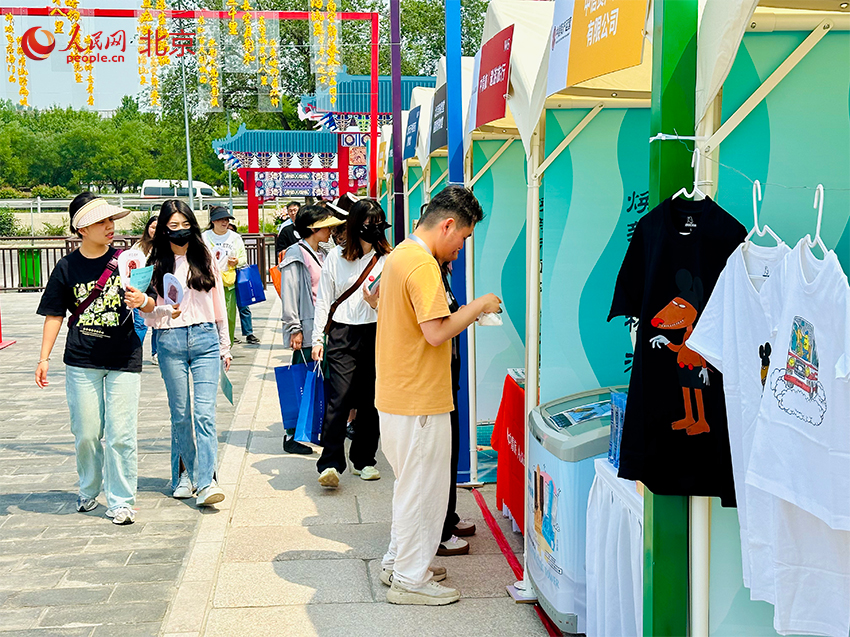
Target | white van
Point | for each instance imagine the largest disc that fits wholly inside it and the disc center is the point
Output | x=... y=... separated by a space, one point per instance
x=168 y=188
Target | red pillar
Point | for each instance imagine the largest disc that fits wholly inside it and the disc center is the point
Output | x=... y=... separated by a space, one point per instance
x=342 y=167
x=253 y=204
x=373 y=113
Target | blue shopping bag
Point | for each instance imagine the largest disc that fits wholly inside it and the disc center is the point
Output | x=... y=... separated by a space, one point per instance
x=290 y=387
x=312 y=412
x=249 y=286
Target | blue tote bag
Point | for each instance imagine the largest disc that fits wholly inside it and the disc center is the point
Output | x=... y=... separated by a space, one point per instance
x=312 y=412
x=249 y=286
x=290 y=388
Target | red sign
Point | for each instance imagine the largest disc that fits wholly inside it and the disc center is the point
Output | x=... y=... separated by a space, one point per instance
x=493 y=76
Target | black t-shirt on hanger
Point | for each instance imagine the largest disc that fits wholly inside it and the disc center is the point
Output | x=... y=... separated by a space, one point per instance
x=104 y=336
x=675 y=437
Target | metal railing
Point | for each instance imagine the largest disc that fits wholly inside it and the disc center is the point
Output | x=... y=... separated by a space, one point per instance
x=26 y=262
x=134 y=202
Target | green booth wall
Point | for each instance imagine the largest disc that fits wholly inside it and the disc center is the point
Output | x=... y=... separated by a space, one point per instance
x=499 y=268
x=415 y=197
x=592 y=194
x=799 y=136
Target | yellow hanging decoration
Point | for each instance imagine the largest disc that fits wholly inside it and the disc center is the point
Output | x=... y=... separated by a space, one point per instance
x=317 y=19
x=232 y=25
x=162 y=35
x=248 y=49
x=332 y=61
x=143 y=29
x=262 y=51
x=74 y=18
x=58 y=24
x=22 y=75
x=203 y=72
x=212 y=54
x=89 y=66
x=274 y=75
x=11 y=60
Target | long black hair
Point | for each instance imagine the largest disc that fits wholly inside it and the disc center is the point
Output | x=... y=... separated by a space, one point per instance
x=146 y=242
x=365 y=210
x=201 y=276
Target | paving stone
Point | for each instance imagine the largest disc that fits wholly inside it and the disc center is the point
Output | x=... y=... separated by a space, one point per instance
x=83 y=560
x=24 y=580
x=203 y=562
x=294 y=582
x=158 y=556
x=294 y=508
x=99 y=530
x=18 y=618
x=152 y=592
x=96 y=615
x=339 y=541
x=467 y=617
x=114 y=575
x=126 y=630
x=21 y=533
x=189 y=608
x=80 y=631
x=60 y=597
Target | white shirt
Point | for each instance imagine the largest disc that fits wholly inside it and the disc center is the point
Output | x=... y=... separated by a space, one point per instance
x=339 y=274
x=801 y=445
x=731 y=335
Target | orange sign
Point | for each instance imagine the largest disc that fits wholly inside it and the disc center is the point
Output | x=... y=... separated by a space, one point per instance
x=607 y=35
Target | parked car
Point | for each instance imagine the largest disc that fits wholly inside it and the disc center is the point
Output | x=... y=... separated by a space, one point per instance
x=167 y=188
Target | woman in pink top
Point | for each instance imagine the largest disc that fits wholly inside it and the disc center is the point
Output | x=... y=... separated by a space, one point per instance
x=192 y=341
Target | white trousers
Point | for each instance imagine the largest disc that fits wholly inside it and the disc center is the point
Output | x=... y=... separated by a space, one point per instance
x=419 y=450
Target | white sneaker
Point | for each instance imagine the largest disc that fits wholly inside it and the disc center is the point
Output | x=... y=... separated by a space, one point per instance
x=430 y=594
x=184 y=489
x=121 y=515
x=438 y=574
x=329 y=478
x=367 y=473
x=209 y=495
x=155 y=359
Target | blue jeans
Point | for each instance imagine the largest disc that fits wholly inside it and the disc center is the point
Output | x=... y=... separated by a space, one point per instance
x=246 y=321
x=154 y=339
x=104 y=406
x=183 y=350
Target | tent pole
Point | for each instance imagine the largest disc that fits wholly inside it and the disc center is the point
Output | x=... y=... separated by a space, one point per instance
x=406 y=199
x=473 y=364
x=524 y=590
x=674 y=62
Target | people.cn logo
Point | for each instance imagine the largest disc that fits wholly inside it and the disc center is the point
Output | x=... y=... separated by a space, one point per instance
x=34 y=49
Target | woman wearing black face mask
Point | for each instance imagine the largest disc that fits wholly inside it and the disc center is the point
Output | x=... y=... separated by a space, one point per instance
x=346 y=305
x=193 y=339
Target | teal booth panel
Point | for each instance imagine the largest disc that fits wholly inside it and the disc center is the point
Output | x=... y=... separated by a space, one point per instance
x=500 y=268
x=799 y=136
x=439 y=165
x=415 y=198
x=593 y=194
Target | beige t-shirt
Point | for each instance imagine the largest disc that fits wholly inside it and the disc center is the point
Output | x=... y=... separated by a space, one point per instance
x=413 y=377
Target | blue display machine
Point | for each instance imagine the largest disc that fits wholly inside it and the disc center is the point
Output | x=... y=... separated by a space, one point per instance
x=560 y=473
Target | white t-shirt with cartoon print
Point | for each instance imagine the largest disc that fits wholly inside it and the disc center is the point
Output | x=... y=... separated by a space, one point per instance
x=801 y=444
x=733 y=335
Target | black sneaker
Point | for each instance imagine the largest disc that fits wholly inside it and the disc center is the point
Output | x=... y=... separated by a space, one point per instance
x=291 y=445
x=252 y=340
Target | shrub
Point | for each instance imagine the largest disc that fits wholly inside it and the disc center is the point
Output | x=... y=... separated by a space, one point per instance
x=137 y=228
x=51 y=192
x=9 y=226
x=56 y=229
x=7 y=192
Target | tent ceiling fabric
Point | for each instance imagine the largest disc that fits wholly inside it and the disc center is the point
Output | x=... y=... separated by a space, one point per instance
x=529 y=62
x=723 y=24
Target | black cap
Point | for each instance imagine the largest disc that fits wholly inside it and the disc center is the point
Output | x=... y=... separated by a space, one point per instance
x=220 y=212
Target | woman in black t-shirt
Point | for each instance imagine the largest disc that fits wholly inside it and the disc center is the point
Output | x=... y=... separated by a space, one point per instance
x=103 y=359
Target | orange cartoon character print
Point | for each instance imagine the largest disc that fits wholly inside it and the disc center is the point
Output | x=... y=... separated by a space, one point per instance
x=681 y=314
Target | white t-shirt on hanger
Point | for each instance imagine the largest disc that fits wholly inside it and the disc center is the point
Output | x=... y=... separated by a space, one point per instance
x=801 y=445
x=733 y=334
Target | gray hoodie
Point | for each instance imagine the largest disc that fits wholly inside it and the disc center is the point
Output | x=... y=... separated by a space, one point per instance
x=296 y=294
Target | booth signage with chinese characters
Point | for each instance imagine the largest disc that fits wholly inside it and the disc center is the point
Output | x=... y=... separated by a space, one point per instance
x=493 y=77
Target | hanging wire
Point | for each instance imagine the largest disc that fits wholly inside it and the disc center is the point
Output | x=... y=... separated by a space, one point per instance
x=732 y=168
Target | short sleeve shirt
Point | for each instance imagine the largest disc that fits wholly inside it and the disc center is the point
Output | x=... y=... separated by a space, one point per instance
x=103 y=337
x=413 y=377
x=674 y=434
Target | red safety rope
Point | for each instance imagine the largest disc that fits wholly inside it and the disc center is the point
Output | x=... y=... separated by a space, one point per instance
x=513 y=562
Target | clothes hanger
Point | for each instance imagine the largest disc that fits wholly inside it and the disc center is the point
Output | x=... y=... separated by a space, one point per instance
x=766 y=228
x=817 y=241
x=695 y=159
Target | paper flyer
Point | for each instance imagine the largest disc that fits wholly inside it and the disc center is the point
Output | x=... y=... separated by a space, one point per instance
x=173 y=289
x=128 y=261
x=226 y=385
x=140 y=278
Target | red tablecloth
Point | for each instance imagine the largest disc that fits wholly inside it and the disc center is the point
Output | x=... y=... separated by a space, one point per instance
x=509 y=441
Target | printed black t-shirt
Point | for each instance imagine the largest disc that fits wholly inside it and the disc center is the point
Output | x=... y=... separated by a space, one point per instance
x=103 y=337
x=675 y=437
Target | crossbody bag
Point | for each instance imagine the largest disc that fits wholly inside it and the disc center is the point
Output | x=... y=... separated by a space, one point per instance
x=349 y=292
x=111 y=267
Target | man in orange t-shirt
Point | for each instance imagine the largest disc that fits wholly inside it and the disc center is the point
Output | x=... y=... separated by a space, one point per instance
x=413 y=392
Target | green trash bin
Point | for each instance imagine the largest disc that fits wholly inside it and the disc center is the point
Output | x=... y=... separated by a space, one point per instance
x=29 y=267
